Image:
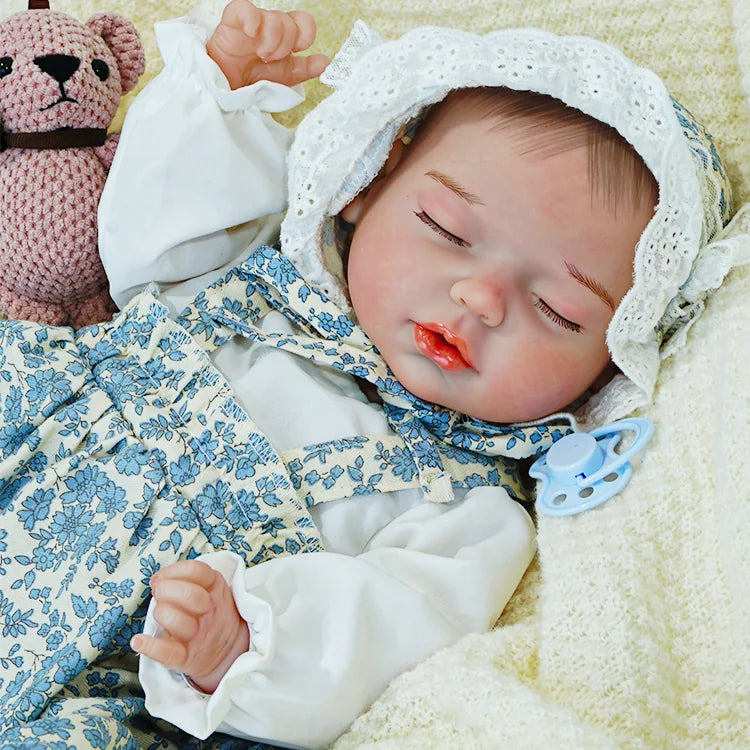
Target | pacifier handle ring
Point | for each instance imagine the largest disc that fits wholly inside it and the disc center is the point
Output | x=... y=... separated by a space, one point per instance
x=644 y=430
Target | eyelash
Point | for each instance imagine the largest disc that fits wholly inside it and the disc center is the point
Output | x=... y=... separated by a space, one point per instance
x=427 y=219
x=569 y=325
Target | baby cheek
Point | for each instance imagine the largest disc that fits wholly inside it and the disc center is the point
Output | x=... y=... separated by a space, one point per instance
x=369 y=269
x=550 y=380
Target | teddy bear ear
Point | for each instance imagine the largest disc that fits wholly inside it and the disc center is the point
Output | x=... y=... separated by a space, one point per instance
x=122 y=37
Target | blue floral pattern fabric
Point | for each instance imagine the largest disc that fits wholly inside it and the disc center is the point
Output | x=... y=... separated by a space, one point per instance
x=122 y=449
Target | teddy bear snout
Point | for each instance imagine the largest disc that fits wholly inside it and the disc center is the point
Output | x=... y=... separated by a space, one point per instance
x=59 y=67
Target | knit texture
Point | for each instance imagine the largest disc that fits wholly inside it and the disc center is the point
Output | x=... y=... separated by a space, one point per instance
x=630 y=631
x=58 y=73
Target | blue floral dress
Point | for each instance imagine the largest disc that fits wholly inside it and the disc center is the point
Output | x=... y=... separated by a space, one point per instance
x=122 y=449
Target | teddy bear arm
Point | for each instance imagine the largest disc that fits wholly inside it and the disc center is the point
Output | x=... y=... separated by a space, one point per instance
x=106 y=153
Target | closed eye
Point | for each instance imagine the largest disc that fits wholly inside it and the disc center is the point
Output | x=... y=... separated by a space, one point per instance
x=569 y=325
x=427 y=219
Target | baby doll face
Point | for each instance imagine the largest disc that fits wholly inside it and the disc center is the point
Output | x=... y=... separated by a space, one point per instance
x=485 y=277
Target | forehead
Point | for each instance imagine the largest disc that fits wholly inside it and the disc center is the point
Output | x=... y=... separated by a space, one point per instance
x=450 y=128
x=535 y=123
x=460 y=130
x=540 y=126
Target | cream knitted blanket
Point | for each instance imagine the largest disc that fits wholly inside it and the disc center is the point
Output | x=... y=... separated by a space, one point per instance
x=631 y=629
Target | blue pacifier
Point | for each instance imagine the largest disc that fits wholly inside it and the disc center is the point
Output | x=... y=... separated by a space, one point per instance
x=583 y=470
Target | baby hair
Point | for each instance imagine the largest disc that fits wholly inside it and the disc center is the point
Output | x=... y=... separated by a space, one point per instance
x=544 y=126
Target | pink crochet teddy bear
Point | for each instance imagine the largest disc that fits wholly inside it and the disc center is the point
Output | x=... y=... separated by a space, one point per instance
x=60 y=85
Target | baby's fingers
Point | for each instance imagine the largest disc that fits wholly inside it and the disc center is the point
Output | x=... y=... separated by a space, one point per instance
x=176 y=622
x=309 y=67
x=276 y=38
x=242 y=16
x=188 y=570
x=193 y=598
x=285 y=33
x=305 y=28
x=293 y=70
x=172 y=654
x=302 y=69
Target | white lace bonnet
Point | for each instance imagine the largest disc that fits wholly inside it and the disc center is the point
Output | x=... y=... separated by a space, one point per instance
x=380 y=86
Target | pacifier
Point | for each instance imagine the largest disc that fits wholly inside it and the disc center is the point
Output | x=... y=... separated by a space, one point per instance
x=583 y=470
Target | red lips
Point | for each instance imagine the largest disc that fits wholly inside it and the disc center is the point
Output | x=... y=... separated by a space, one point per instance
x=442 y=346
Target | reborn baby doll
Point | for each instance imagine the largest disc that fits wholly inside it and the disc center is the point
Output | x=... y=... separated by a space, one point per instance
x=486 y=260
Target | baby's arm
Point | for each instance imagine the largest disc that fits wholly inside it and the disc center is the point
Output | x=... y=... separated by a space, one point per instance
x=329 y=630
x=251 y=45
x=199 y=177
x=203 y=631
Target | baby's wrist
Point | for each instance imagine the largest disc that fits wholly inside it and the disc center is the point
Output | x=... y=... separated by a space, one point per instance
x=208 y=682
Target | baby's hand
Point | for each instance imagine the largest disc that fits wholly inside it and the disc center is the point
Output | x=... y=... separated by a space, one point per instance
x=203 y=631
x=251 y=44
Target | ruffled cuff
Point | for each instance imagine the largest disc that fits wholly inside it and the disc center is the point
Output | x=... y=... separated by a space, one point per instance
x=182 y=44
x=170 y=696
x=199 y=171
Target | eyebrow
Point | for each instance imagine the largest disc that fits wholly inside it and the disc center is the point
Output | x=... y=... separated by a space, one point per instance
x=591 y=284
x=451 y=184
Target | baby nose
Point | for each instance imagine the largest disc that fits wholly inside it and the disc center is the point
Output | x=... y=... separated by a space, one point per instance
x=59 y=67
x=482 y=298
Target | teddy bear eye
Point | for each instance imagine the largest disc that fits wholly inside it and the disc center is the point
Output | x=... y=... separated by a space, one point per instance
x=6 y=65
x=101 y=69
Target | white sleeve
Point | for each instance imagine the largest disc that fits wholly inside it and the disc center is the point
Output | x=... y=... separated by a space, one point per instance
x=330 y=631
x=195 y=163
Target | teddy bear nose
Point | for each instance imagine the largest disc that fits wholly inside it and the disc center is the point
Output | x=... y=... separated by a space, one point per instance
x=60 y=67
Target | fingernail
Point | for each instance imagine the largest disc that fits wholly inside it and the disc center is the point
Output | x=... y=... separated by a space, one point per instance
x=135 y=642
